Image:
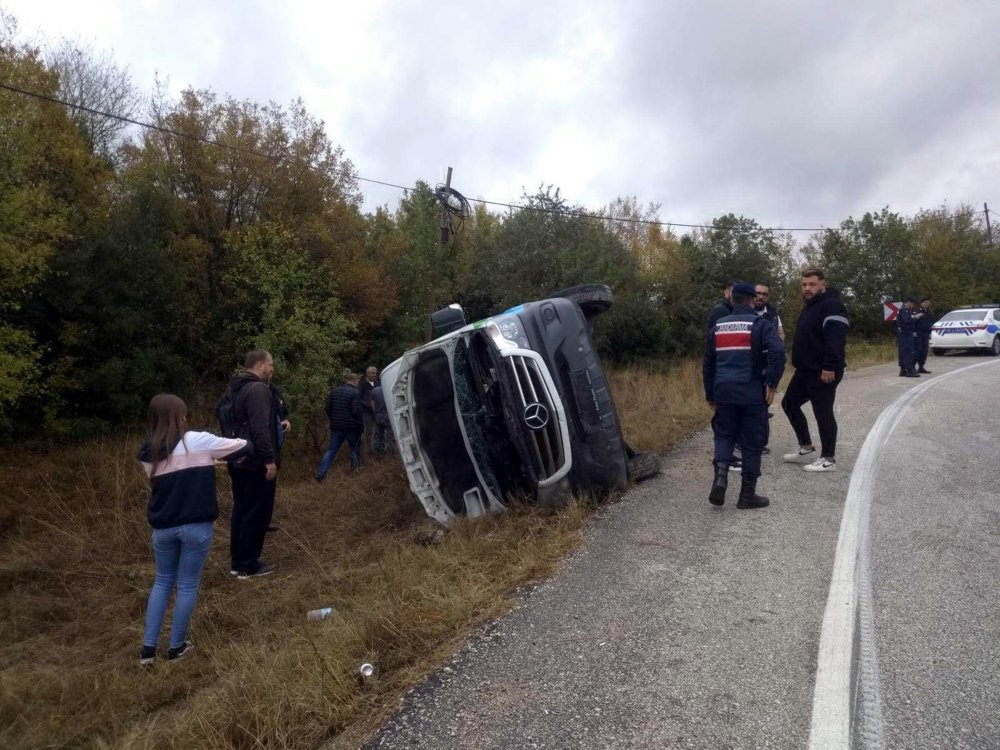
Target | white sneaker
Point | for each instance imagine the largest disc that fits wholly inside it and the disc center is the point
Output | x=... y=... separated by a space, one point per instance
x=792 y=458
x=821 y=464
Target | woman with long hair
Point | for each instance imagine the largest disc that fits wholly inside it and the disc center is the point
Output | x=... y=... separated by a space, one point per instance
x=183 y=505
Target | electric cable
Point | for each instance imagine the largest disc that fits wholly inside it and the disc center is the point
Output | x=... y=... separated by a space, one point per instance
x=465 y=206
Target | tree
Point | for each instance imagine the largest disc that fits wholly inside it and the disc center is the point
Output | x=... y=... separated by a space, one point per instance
x=871 y=260
x=545 y=246
x=427 y=274
x=92 y=79
x=289 y=309
x=954 y=263
x=735 y=247
x=50 y=191
x=272 y=166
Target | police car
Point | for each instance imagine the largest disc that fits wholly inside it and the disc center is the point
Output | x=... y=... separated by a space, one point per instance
x=968 y=328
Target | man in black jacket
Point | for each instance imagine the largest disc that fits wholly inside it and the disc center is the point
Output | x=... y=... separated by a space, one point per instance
x=818 y=359
x=924 y=324
x=255 y=475
x=722 y=308
x=343 y=407
x=365 y=388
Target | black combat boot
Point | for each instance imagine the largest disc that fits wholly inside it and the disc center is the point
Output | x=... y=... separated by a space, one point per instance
x=748 y=496
x=717 y=496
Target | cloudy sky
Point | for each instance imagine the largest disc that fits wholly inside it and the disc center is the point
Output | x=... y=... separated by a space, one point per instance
x=795 y=113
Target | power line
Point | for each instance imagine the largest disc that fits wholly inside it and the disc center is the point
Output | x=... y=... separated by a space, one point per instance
x=347 y=173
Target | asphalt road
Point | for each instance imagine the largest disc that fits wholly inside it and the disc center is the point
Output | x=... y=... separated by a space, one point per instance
x=935 y=544
x=682 y=625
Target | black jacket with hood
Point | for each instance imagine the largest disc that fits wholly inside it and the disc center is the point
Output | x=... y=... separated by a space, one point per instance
x=821 y=334
x=254 y=406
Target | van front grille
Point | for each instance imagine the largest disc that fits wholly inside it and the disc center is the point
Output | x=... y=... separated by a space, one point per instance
x=539 y=414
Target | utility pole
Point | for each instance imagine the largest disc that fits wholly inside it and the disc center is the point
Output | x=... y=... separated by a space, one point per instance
x=989 y=230
x=446 y=213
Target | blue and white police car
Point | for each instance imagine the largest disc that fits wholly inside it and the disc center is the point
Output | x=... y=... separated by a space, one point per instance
x=968 y=328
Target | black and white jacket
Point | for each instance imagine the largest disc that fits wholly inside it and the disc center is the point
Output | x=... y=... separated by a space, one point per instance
x=183 y=490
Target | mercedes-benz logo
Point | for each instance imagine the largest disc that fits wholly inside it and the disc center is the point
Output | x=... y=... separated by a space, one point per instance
x=536 y=416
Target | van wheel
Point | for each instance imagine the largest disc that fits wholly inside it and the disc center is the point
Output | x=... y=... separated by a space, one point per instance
x=643 y=466
x=593 y=299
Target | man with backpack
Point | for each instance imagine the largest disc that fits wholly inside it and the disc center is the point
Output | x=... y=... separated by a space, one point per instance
x=247 y=410
x=743 y=364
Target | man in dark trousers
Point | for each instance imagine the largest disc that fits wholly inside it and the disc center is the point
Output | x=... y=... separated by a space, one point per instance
x=743 y=364
x=906 y=339
x=367 y=407
x=384 y=440
x=254 y=476
x=818 y=359
x=343 y=407
x=923 y=322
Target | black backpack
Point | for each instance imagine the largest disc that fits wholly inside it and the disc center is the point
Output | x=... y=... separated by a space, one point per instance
x=230 y=425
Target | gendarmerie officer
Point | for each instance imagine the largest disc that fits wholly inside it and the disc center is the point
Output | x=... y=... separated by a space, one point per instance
x=740 y=385
x=906 y=334
x=722 y=308
x=923 y=322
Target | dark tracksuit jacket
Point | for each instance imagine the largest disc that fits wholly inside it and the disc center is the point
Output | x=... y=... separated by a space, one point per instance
x=821 y=335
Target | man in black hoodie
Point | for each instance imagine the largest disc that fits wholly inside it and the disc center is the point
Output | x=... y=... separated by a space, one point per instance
x=818 y=359
x=255 y=475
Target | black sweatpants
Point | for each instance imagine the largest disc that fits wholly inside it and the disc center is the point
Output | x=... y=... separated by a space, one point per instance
x=806 y=386
x=253 y=504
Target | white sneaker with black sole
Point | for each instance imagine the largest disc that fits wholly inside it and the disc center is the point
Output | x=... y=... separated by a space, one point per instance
x=794 y=458
x=821 y=464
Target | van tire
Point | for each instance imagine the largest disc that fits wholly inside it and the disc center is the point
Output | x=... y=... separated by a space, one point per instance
x=643 y=466
x=593 y=299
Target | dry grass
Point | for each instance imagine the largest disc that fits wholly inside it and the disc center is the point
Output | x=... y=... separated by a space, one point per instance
x=76 y=568
x=864 y=353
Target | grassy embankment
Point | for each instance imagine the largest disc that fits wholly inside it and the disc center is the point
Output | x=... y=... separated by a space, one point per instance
x=76 y=567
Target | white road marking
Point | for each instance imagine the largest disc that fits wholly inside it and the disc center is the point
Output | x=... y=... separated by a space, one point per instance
x=846 y=637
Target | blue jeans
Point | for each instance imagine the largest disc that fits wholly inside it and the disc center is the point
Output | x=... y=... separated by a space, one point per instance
x=180 y=557
x=337 y=438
